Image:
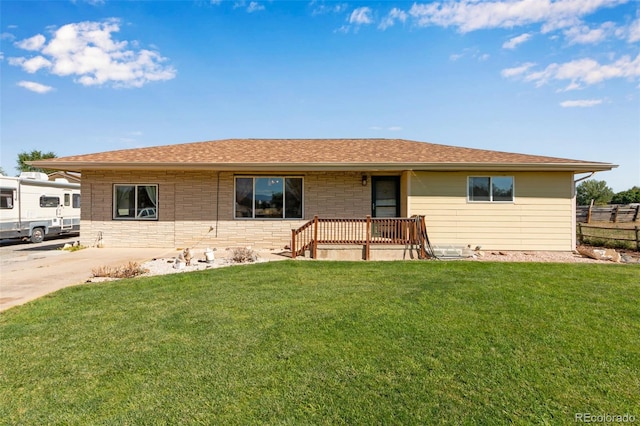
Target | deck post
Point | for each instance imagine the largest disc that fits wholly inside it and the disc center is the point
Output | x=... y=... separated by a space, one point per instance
x=367 y=253
x=423 y=240
x=293 y=243
x=315 y=237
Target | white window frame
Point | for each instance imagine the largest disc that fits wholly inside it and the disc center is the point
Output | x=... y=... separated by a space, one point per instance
x=135 y=191
x=491 y=200
x=48 y=204
x=8 y=194
x=253 y=206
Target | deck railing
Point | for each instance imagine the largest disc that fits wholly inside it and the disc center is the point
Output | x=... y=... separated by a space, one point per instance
x=357 y=231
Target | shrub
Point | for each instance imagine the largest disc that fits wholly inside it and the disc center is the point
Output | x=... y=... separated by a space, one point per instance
x=130 y=270
x=244 y=255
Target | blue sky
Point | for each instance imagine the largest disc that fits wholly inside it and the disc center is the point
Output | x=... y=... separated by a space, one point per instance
x=558 y=78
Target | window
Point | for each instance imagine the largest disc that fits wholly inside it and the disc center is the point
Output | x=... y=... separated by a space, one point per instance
x=271 y=197
x=67 y=200
x=135 y=202
x=492 y=189
x=49 y=201
x=76 y=201
x=6 y=198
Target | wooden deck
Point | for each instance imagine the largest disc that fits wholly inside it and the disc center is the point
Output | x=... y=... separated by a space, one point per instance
x=360 y=231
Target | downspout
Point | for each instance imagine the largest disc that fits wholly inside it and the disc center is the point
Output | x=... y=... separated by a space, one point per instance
x=217 y=201
x=583 y=178
x=574 y=241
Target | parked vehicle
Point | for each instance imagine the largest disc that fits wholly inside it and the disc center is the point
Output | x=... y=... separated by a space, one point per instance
x=33 y=207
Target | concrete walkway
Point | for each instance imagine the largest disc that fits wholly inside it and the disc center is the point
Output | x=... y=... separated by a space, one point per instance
x=24 y=280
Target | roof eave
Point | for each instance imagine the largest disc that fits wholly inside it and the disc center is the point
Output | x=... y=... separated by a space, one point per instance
x=364 y=167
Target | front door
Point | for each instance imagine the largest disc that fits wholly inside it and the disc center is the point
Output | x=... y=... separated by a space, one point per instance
x=385 y=196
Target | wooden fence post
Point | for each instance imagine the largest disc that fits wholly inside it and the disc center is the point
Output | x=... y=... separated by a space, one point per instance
x=367 y=254
x=580 y=233
x=614 y=213
x=589 y=211
x=635 y=216
x=637 y=238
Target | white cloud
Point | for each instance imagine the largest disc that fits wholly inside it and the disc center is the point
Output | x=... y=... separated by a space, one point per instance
x=634 y=31
x=471 y=15
x=361 y=16
x=516 y=71
x=471 y=53
x=394 y=128
x=584 y=103
x=321 y=7
x=582 y=34
x=35 y=87
x=515 y=41
x=33 y=43
x=579 y=73
x=394 y=15
x=7 y=36
x=254 y=6
x=88 y=51
x=34 y=64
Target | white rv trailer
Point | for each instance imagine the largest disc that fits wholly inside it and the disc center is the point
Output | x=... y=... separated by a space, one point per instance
x=32 y=207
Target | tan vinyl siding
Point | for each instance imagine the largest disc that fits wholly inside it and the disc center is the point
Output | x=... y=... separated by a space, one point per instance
x=540 y=218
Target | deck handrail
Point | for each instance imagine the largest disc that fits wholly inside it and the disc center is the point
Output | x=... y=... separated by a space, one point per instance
x=361 y=231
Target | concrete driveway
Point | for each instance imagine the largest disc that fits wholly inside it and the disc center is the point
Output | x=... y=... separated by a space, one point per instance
x=28 y=277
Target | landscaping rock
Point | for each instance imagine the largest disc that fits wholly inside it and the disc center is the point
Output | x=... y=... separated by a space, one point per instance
x=600 y=254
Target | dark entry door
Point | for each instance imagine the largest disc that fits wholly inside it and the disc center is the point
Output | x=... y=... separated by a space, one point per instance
x=385 y=196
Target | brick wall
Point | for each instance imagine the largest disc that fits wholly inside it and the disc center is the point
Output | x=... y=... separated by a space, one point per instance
x=195 y=209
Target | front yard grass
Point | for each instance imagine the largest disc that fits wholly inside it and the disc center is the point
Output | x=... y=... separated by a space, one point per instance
x=298 y=342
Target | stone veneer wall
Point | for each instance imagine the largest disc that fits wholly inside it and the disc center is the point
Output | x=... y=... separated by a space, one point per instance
x=195 y=209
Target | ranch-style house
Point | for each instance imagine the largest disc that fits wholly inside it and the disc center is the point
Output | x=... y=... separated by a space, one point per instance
x=253 y=192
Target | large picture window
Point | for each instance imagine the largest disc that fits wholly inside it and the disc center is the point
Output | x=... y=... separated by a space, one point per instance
x=491 y=188
x=139 y=202
x=269 y=197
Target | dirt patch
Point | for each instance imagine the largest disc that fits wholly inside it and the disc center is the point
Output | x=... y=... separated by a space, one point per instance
x=627 y=256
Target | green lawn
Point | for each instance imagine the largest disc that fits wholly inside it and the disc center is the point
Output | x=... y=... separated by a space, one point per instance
x=300 y=342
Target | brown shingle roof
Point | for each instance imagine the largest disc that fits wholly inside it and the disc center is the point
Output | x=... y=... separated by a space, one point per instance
x=312 y=154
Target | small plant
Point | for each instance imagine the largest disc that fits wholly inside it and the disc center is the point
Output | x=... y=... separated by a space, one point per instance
x=130 y=270
x=244 y=255
x=72 y=248
x=609 y=243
